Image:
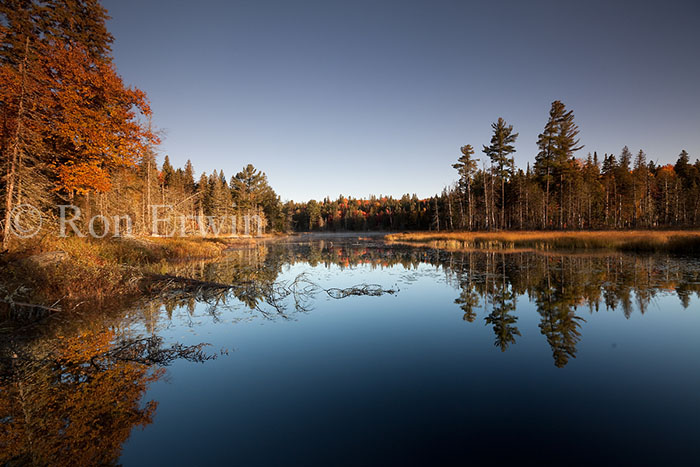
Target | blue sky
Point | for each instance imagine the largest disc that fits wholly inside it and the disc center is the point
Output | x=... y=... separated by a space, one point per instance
x=372 y=97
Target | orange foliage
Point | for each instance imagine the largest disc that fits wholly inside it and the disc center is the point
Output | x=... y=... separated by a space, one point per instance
x=94 y=120
x=78 y=406
x=83 y=176
x=667 y=170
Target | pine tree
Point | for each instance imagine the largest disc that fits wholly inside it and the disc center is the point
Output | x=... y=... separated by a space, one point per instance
x=557 y=144
x=466 y=167
x=189 y=177
x=624 y=186
x=682 y=167
x=499 y=150
x=545 y=161
x=168 y=171
x=641 y=188
x=219 y=195
x=252 y=193
x=593 y=188
x=203 y=196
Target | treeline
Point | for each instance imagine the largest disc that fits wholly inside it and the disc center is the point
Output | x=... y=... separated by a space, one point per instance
x=559 y=191
x=71 y=132
x=202 y=207
x=375 y=213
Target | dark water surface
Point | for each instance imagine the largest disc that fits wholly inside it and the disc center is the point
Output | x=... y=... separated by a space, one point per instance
x=476 y=358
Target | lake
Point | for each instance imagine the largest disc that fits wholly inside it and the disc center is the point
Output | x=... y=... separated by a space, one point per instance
x=350 y=351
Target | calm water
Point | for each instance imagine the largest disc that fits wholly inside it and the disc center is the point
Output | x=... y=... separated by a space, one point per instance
x=472 y=358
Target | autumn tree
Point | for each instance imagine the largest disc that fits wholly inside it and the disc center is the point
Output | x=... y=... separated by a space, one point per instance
x=93 y=132
x=67 y=114
x=22 y=145
x=77 y=402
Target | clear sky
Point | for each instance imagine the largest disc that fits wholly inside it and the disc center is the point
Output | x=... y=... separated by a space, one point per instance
x=375 y=97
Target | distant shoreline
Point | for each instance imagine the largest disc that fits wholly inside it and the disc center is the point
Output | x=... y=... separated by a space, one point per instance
x=676 y=241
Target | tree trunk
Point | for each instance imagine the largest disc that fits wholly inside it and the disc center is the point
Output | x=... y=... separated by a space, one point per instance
x=449 y=210
x=469 y=200
x=546 y=201
x=12 y=163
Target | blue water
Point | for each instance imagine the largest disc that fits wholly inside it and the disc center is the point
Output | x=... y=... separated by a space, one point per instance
x=403 y=379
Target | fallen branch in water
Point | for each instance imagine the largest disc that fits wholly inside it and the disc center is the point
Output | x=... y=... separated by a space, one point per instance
x=150 y=351
x=34 y=306
x=300 y=289
x=20 y=362
x=31 y=311
x=372 y=290
x=169 y=279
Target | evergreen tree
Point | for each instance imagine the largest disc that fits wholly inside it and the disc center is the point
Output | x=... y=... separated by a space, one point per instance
x=641 y=188
x=624 y=188
x=466 y=167
x=682 y=167
x=203 y=196
x=219 y=195
x=545 y=161
x=557 y=145
x=251 y=192
x=499 y=150
x=168 y=171
x=189 y=176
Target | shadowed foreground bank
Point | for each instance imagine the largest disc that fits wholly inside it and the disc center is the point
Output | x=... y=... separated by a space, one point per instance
x=70 y=270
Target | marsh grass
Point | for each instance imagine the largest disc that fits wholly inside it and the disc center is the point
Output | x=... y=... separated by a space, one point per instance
x=686 y=242
x=94 y=269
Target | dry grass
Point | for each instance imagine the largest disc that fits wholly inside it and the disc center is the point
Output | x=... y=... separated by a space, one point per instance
x=92 y=269
x=649 y=241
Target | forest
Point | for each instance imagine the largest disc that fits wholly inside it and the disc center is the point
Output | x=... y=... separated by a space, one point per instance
x=559 y=191
x=71 y=132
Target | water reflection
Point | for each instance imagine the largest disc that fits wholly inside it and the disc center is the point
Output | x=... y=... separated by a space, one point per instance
x=561 y=286
x=503 y=304
x=71 y=402
x=90 y=373
x=74 y=392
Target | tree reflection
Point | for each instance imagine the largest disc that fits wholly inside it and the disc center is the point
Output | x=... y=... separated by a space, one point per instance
x=467 y=301
x=78 y=398
x=93 y=382
x=503 y=322
x=557 y=284
x=556 y=303
x=468 y=298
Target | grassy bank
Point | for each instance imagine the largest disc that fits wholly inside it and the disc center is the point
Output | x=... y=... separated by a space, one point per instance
x=640 y=241
x=76 y=269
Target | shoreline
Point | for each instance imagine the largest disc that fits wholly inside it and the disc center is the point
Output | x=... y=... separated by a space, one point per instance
x=61 y=274
x=653 y=241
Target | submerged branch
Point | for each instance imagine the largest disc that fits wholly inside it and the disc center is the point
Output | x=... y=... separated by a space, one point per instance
x=372 y=290
x=300 y=289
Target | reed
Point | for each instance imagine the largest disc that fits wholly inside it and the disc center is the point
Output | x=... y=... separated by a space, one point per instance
x=73 y=269
x=641 y=241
